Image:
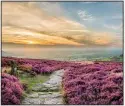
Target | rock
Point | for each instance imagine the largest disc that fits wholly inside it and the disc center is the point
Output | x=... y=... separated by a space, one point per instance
x=26 y=101
x=31 y=101
x=42 y=101
x=54 y=88
x=42 y=93
x=45 y=96
x=56 y=94
x=34 y=95
x=47 y=85
x=53 y=101
x=42 y=88
x=35 y=89
x=48 y=92
x=35 y=101
x=38 y=85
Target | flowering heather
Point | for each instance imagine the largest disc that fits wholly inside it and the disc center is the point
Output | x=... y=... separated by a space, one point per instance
x=11 y=90
x=39 y=66
x=100 y=83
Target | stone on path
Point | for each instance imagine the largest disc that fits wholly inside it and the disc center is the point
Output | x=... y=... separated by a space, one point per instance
x=48 y=92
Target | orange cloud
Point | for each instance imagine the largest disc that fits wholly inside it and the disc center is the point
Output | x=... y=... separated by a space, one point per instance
x=25 y=22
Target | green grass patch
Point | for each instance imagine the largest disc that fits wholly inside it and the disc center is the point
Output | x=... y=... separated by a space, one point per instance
x=30 y=81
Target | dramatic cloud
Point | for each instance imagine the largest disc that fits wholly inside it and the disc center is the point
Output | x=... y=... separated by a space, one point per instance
x=32 y=23
x=85 y=16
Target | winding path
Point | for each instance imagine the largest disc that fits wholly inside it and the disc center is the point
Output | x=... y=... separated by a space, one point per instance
x=48 y=92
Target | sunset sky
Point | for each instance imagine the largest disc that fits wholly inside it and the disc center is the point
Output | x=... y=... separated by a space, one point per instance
x=63 y=23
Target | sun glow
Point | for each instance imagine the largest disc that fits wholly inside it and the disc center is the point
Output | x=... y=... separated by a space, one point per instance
x=44 y=28
x=30 y=42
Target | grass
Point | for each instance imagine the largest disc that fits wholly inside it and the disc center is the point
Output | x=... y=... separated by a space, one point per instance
x=30 y=81
x=27 y=79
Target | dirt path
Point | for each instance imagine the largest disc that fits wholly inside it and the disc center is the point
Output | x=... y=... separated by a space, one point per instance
x=48 y=92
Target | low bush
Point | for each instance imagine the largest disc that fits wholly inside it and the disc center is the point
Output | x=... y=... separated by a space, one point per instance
x=11 y=90
x=25 y=67
x=96 y=84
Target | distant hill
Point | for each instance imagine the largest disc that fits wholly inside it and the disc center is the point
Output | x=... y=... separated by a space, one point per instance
x=117 y=58
x=6 y=54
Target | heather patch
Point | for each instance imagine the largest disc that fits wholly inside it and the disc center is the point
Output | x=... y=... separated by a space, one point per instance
x=96 y=84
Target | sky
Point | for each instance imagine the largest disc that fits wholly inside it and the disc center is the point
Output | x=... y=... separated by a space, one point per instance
x=63 y=23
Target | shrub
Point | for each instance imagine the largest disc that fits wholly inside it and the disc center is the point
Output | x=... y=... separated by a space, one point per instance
x=39 y=66
x=11 y=90
x=25 y=67
x=96 y=84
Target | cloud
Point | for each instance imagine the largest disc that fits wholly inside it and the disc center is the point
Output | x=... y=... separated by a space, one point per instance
x=116 y=17
x=113 y=17
x=113 y=27
x=52 y=8
x=85 y=16
x=27 y=22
